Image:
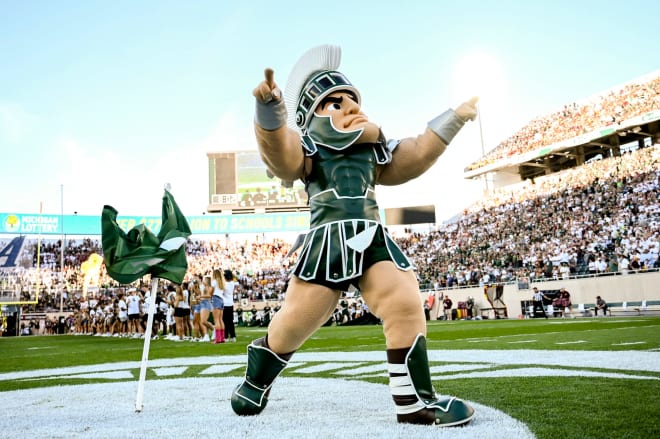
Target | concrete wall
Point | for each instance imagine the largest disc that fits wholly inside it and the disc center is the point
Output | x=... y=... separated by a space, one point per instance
x=614 y=289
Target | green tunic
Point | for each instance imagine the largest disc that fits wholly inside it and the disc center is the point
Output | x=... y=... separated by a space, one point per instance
x=346 y=235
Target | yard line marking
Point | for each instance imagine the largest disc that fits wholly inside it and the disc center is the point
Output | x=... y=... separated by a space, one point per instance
x=628 y=343
x=221 y=368
x=380 y=367
x=323 y=367
x=542 y=371
x=572 y=342
x=522 y=341
x=458 y=368
x=116 y=375
x=169 y=371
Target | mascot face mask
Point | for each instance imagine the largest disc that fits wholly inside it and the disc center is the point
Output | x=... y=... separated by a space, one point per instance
x=337 y=122
x=315 y=94
x=316 y=89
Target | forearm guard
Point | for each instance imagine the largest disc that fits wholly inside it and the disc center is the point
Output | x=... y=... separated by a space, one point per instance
x=270 y=116
x=447 y=125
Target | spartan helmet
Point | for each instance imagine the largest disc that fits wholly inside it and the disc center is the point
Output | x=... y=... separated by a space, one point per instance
x=314 y=77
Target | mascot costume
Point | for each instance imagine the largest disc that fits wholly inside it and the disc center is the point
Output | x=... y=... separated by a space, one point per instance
x=317 y=132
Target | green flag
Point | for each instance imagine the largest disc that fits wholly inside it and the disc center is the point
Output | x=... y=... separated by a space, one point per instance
x=129 y=256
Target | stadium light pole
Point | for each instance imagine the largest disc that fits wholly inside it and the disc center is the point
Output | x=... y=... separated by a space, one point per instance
x=62 y=250
x=479 y=73
x=481 y=138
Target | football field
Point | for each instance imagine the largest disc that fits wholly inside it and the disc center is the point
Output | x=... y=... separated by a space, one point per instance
x=586 y=378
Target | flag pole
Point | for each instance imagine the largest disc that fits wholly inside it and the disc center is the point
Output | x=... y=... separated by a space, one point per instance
x=139 y=399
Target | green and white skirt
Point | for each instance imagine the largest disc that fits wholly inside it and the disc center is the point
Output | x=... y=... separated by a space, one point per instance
x=336 y=254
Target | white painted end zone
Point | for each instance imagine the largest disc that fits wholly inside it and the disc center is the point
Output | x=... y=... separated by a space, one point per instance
x=618 y=360
x=200 y=408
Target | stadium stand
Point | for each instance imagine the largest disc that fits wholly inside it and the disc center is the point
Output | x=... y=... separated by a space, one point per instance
x=597 y=113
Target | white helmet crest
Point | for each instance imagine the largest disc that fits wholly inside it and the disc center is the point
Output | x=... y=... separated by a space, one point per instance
x=313 y=77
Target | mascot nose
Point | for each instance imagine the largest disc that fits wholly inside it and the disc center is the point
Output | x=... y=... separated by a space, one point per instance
x=351 y=106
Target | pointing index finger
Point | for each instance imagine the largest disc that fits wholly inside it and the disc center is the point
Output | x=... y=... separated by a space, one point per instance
x=268 y=73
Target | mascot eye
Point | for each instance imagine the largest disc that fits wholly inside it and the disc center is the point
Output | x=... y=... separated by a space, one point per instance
x=334 y=106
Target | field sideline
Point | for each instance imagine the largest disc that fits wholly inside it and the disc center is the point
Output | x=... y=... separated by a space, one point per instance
x=591 y=377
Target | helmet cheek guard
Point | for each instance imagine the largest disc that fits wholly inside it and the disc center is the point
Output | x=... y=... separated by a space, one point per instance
x=316 y=89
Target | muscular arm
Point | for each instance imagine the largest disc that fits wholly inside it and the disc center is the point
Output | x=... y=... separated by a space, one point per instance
x=412 y=157
x=415 y=155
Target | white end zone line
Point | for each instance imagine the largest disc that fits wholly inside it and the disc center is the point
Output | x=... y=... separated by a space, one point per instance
x=309 y=362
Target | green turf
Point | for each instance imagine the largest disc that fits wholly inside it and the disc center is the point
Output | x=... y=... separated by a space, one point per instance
x=551 y=407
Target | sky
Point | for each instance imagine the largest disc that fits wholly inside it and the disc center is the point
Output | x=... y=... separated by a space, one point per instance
x=106 y=102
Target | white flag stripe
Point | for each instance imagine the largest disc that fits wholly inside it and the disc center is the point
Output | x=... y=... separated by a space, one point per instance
x=172 y=243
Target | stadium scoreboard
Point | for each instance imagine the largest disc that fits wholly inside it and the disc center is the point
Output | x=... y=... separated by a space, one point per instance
x=240 y=183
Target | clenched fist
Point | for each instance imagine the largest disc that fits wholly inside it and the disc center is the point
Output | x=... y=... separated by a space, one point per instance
x=267 y=90
x=468 y=110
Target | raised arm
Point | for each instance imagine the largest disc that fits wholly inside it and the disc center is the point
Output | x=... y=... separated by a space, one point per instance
x=279 y=145
x=415 y=155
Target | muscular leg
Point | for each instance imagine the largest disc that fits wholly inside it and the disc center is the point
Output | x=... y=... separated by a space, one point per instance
x=393 y=295
x=306 y=308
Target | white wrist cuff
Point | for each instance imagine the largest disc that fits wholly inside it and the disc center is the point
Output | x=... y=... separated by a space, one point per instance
x=270 y=116
x=446 y=126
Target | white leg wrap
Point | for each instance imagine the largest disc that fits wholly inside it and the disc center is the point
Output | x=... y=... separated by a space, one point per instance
x=402 y=386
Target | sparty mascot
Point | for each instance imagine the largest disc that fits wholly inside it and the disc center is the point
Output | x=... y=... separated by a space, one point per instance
x=316 y=132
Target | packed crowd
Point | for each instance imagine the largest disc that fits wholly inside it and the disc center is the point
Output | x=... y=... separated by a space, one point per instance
x=578 y=118
x=603 y=217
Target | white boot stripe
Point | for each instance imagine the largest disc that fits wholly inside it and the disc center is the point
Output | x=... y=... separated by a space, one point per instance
x=403 y=391
x=400 y=381
x=396 y=368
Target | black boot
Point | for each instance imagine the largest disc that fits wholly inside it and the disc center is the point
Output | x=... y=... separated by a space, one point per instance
x=413 y=394
x=251 y=396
